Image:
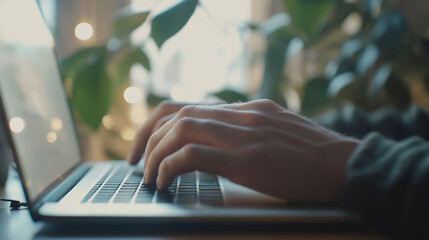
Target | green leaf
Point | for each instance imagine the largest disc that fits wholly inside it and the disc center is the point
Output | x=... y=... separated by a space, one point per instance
x=389 y=31
x=277 y=96
x=274 y=23
x=153 y=100
x=308 y=16
x=352 y=48
x=273 y=77
x=134 y=55
x=397 y=92
x=340 y=82
x=91 y=93
x=231 y=96
x=127 y=21
x=337 y=67
x=367 y=59
x=170 y=21
x=73 y=63
x=314 y=96
x=381 y=76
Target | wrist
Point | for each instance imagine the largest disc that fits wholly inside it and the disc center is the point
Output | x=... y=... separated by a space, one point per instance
x=336 y=172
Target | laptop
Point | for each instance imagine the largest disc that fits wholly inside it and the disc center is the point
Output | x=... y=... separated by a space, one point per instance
x=59 y=187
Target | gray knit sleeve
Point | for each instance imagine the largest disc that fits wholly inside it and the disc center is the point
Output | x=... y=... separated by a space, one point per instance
x=388 y=181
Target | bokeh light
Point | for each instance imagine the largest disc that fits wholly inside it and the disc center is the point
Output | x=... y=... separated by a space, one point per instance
x=17 y=125
x=83 y=31
x=132 y=95
x=51 y=137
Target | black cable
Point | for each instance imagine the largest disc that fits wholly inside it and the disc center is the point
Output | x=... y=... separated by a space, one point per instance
x=15 y=204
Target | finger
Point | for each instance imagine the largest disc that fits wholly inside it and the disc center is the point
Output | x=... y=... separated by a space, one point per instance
x=263 y=105
x=183 y=112
x=230 y=116
x=139 y=143
x=193 y=157
x=163 y=121
x=200 y=131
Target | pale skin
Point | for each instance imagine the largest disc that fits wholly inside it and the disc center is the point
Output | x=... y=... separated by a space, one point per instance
x=257 y=144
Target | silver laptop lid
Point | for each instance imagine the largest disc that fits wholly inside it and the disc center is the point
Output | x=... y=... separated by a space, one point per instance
x=31 y=90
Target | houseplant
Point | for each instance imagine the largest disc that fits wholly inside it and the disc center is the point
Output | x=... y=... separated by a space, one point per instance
x=362 y=66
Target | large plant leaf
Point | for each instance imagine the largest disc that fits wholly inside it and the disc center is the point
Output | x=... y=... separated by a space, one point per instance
x=126 y=21
x=170 y=21
x=231 y=96
x=308 y=16
x=73 y=63
x=91 y=93
x=134 y=55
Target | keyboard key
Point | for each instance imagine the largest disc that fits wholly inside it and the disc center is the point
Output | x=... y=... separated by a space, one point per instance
x=143 y=200
x=123 y=186
x=164 y=197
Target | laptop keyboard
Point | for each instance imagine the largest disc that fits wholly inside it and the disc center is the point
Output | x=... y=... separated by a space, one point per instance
x=122 y=185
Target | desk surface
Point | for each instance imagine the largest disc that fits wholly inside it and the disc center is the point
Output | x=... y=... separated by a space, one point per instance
x=17 y=224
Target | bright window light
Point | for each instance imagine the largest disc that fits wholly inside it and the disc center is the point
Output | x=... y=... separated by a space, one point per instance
x=207 y=55
x=178 y=93
x=83 y=31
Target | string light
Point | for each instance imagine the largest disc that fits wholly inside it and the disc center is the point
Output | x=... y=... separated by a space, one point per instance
x=17 y=124
x=128 y=133
x=83 y=31
x=56 y=124
x=132 y=95
x=107 y=121
x=51 y=137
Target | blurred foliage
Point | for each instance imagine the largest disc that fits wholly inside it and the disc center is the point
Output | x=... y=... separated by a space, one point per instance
x=370 y=66
x=368 y=69
x=98 y=73
x=308 y=16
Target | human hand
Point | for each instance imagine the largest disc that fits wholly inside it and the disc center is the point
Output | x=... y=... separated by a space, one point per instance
x=257 y=144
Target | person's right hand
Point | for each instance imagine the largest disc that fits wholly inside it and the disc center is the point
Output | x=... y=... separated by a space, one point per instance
x=165 y=111
x=256 y=144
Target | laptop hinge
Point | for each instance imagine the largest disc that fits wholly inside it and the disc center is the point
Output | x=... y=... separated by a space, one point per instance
x=66 y=185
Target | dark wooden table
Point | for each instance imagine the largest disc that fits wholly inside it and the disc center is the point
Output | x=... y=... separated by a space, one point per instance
x=17 y=224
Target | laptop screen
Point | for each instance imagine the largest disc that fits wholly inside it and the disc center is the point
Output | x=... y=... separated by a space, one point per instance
x=34 y=100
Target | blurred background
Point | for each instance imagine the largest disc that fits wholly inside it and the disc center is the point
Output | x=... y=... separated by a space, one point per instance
x=120 y=58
